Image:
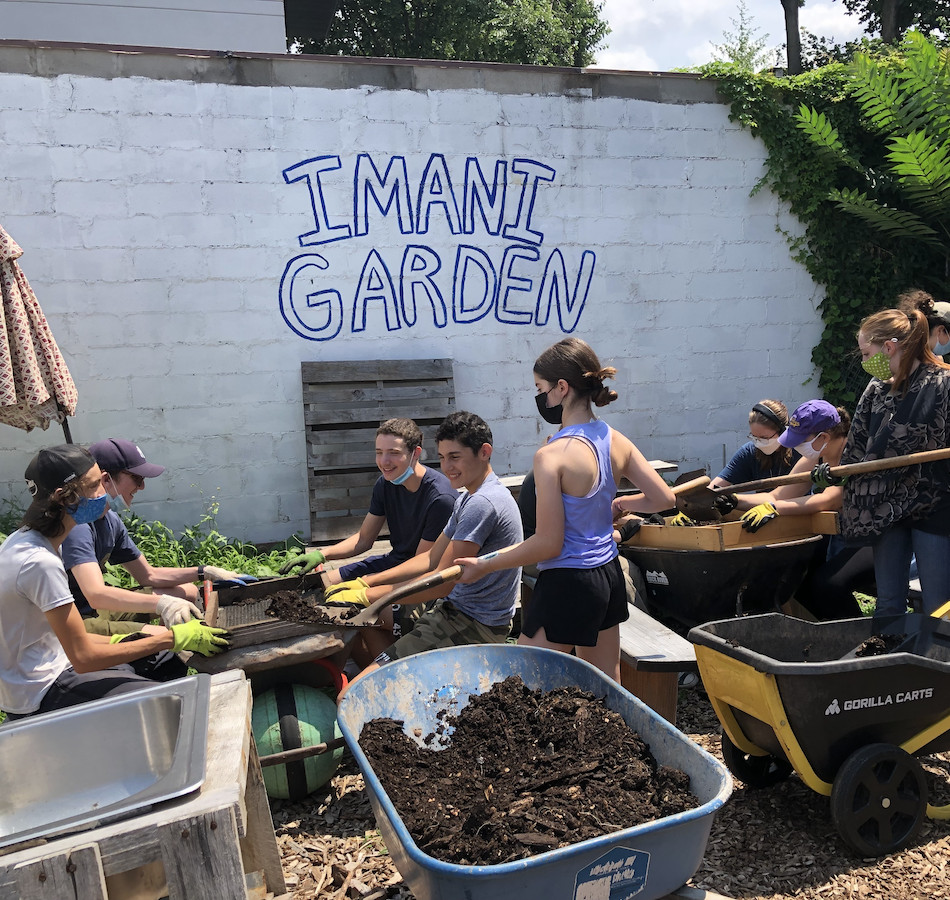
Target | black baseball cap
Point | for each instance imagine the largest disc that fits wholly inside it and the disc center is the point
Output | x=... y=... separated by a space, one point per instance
x=116 y=455
x=55 y=467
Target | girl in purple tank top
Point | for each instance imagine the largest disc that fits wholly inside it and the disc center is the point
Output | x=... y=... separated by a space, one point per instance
x=579 y=599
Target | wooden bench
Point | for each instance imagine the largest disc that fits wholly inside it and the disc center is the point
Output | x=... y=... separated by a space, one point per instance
x=651 y=658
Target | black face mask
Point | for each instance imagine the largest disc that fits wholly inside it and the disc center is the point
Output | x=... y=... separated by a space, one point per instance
x=551 y=414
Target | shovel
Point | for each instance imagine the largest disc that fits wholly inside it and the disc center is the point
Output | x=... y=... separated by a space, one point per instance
x=703 y=498
x=367 y=615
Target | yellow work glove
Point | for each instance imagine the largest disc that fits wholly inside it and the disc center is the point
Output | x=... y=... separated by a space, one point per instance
x=758 y=516
x=681 y=519
x=349 y=597
x=198 y=637
x=355 y=584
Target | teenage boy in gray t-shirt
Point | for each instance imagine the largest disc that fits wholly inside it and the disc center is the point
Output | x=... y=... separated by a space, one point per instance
x=485 y=518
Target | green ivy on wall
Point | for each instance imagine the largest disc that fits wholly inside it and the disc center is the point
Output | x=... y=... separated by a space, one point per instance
x=860 y=270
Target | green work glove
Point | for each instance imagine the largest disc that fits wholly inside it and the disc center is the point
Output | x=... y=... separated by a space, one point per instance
x=821 y=477
x=355 y=584
x=348 y=597
x=306 y=561
x=681 y=519
x=758 y=516
x=131 y=636
x=198 y=638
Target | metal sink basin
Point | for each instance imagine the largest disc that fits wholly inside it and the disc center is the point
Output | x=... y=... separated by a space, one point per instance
x=79 y=767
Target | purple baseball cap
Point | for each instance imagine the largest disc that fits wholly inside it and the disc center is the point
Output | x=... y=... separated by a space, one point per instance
x=116 y=455
x=812 y=417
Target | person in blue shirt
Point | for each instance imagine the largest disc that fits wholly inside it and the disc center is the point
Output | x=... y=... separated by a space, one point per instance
x=763 y=456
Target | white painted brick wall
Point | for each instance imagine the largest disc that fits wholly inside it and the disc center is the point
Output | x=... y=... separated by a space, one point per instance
x=157 y=225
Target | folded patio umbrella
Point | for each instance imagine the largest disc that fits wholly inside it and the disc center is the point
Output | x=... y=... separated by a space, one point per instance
x=35 y=385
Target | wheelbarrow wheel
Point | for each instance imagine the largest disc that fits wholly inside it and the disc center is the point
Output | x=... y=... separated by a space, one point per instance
x=879 y=799
x=754 y=771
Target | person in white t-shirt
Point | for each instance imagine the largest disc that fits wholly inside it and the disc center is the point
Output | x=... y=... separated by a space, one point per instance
x=47 y=658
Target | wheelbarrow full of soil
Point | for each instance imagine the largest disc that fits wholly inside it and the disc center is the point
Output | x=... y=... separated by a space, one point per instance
x=418 y=696
x=849 y=705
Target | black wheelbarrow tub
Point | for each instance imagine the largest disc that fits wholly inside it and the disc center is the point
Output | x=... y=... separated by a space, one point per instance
x=688 y=587
x=794 y=689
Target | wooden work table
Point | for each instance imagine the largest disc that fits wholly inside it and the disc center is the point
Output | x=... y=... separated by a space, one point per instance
x=209 y=845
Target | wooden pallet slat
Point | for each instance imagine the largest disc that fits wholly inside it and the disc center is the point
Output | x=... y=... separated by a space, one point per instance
x=343 y=405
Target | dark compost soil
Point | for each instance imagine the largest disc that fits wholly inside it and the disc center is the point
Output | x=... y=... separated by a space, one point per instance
x=292 y=606
x=880 y=644
x=523 y=772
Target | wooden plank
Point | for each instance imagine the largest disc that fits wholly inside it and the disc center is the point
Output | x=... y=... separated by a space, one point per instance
x=259 y=845
x=373 y=369
x=411 y=407
x=72 y=875
x=202 y=857
x=649 y=645
x=657 y=689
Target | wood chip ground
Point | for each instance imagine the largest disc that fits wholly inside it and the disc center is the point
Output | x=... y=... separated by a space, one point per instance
x=774 y=844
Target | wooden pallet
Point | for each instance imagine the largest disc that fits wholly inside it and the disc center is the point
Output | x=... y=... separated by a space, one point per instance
x=344 y=403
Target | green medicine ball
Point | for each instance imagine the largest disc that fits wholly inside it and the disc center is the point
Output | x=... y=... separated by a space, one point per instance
x=287 y=717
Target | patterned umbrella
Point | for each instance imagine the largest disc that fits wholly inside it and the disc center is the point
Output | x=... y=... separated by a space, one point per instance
x=35 y=385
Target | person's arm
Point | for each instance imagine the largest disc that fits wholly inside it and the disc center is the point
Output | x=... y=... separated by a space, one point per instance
x=381 y=583
x=104 y=596
x=160 y=578
x=356 y=543
x=628 y=461
x=92 y=652
x=719 y=482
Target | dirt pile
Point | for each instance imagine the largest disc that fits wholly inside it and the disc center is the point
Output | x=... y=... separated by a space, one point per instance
x=523 y=772
x=292 y=606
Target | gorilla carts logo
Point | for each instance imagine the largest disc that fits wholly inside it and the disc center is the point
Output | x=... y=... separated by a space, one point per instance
x=857 y=703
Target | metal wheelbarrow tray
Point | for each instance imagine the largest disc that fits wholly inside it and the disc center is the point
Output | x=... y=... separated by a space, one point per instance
x=791 y=694
x=648 y=860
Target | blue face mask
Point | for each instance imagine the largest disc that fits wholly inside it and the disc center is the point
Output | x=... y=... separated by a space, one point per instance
x=942 y=349
x=402 y=479
x=88 y=509
x=118 y=505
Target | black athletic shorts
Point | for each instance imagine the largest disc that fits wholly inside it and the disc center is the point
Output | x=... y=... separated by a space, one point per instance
x=575 y=605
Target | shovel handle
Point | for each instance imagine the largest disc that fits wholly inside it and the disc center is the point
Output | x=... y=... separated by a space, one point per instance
x=859 y=468
x=407 y=589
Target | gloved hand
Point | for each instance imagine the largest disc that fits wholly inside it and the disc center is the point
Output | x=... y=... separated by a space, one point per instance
x=131 y=636
x=217 y=574
x=306 y=561
x=655 y=519
x=681 y=519
x=354 y=584
x=821 y=476
x=175 y=610
x=758 y=516
x=629 y=529
x=198 y=637
x=348 y=597
x=725 y=503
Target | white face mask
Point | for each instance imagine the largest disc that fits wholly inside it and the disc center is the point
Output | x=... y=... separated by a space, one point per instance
x=766 y=445
x=807 y=449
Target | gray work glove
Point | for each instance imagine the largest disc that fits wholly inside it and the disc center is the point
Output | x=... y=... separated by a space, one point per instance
x=175 y=610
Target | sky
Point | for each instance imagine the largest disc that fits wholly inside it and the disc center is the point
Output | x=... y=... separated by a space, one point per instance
x=661 y=35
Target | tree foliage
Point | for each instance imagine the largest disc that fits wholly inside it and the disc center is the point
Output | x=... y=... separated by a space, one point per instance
x=861 y=267
x=906 y=104
x=743 y=47
x=533 y=32
x=891 y=19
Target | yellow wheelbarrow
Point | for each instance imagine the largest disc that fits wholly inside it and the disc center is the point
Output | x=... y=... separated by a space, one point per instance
x=848 y=705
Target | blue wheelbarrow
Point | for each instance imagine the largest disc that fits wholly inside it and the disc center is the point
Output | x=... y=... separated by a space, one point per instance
x=649 y=860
